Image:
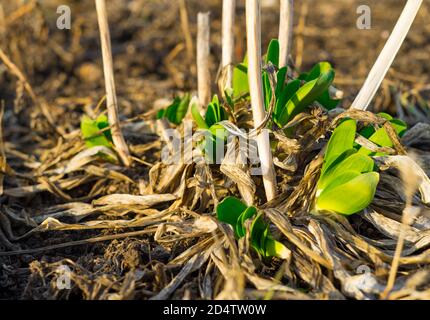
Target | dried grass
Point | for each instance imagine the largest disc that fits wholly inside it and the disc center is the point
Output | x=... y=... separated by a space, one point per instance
x=149 y=231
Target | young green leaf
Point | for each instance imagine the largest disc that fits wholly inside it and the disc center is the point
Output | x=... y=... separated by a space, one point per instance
x=195 y=112
x=234 y=212
x=160 y=114
x=281 y=77
x=272 y=54
x=218 y=131
x=240 y=226
x=240 y=79
x=215 y=113
x=289 y=90
x=359 y=193
x=229 y=210
x=328 y=166
x=380 y=137
x=276 y=249
x=182 y=109
x=358 y=163
x=325 y=100
x=177 y=110
x=305 y=96
x=93 y=133
x=258 y=233
x=341 y=140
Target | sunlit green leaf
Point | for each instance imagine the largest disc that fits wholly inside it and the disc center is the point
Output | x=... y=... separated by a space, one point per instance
x=350 y=197
x=358 y=163
x=337 y=180
x=341 y=140
x=176 y=111
x=272 y=54
x=195 y=112
x=324 y=99
x=317 y=70
x=215 y=113
x=258 y=233
x=307 y=94
x=289 y=90
x=93 y=133
x=240 y=79
x=218 y=131
x=182 y=109
x=229 y=210
x=380 y=137
x=276 y=249
x=247 y=214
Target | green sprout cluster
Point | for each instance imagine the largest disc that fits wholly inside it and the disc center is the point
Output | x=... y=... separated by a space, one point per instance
x=291 y=96
x=96 y=132
x=348 y=171
x=176 y=111
x=215 y=113
x=235 y=213
x=349 y=177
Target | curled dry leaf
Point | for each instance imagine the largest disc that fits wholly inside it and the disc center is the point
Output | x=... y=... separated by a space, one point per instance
x=88 y=156
x=128 y=199
x=401 y=161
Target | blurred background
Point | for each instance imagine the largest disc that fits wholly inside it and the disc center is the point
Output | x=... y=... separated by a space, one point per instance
x=153 y=59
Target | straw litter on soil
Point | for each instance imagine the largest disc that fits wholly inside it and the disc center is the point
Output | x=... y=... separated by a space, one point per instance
x=149 y=231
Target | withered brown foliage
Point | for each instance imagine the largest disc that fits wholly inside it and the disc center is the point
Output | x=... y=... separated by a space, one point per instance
x=149 y=231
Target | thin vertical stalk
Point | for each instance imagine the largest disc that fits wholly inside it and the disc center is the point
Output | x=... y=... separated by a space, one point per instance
x=387 y=55
x=228 y=14
x=300 y=42
x=2 y=19
x=285 y=31
x=185 y=25
x=203 y=51
x=253 y=31
x=111 y=99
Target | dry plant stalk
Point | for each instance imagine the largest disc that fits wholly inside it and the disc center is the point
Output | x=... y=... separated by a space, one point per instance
x=411 y=181
x=253 y=31
x=285 y=31
x=38 y=102
x=387 y=55
x=2 y=19
x=185 y=25
x=203 y=50
x=112 y=103
x=228 y=14
x=300 y=43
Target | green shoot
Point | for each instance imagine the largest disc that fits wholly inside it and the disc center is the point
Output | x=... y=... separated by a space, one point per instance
x=240 y=79
x=95 y=132
x=346 y=174
x=177 y=111
x=291 y=97
x=215 y=113
x=235 y=213
x=380 y=137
